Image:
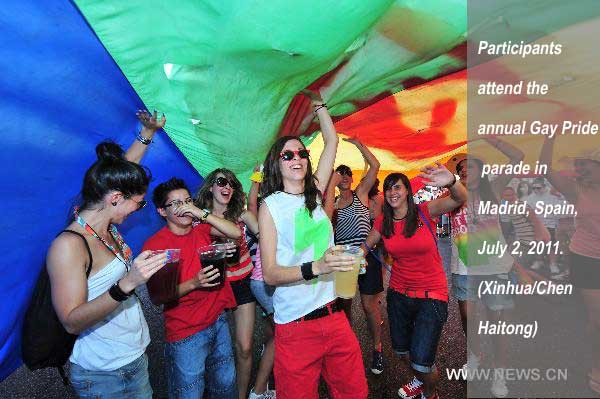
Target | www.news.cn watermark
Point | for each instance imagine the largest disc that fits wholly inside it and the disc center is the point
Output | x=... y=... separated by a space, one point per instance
x=508 y=374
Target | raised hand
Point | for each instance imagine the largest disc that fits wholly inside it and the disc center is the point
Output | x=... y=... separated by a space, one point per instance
x=314 y=96
x=151 y=122
x=437 y=175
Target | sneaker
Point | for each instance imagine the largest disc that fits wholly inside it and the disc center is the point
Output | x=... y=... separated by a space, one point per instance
x=412 y=390
x=499 y=389
x=377 y=363
x=434 y=396
x=537 y=265
x=554 y=269
x=268 y=394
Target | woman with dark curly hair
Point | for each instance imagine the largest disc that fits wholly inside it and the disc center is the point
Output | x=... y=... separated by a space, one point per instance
x=312 y=335
x=223 y=196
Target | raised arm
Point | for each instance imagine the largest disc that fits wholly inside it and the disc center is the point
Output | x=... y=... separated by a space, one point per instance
x=275 y=274
x=334 y=180
x=219 y=226
x=253 y=194
x=514 y=155
x=439 y=176
x=330 y=140
x=565 y=185
x=363 y=188
x=150 y=124
x=66 y=262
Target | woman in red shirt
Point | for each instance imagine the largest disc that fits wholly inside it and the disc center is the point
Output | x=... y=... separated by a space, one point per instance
x=223 y=196
x=417 y=301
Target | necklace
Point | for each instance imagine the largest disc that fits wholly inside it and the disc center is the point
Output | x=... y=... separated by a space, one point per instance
x=402 y=218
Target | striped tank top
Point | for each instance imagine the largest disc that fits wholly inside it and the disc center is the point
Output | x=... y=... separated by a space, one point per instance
x=353 y=223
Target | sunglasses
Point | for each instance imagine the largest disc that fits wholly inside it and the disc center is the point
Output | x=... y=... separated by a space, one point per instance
x=288 y=155
x=140 y=204
x=178 y=202
x=222 y=182
x=537 y=187
x=345 y=172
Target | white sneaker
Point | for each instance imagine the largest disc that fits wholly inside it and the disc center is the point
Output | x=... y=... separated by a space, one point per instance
x=554 y=269
x=537 y=265
x=268 y=394
x=499 y=389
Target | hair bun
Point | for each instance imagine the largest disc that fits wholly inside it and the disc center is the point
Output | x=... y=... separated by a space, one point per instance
x=109 y=150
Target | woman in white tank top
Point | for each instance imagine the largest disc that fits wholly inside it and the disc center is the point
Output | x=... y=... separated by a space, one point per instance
x=108 y=357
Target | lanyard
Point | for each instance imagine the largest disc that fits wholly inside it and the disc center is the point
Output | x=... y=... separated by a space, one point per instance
x=124 y=252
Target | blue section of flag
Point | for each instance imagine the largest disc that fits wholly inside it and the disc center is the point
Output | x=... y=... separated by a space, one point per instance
x=60 y=94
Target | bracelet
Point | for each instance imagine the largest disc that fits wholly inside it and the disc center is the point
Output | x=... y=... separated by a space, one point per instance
x=452 y=183
x=318 y=107
x=142 y=139
x=203 y=217
x=117 y=293
x=307 y=273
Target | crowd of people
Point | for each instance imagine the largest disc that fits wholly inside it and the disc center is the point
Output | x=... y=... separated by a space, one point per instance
x=282 y=251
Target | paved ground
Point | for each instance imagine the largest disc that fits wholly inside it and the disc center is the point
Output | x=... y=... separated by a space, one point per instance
x=452 y=353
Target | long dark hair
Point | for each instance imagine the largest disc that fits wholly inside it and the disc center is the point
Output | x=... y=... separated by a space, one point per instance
x=411 y=220
x=112 y=172
x=486 y=193
x=273 y=181
x=204 y=197
x=526 y=184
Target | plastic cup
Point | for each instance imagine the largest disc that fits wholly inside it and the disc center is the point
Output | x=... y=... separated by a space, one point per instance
x=347 y=282
x=235 y=258
x=215 y=256
x=172 y=254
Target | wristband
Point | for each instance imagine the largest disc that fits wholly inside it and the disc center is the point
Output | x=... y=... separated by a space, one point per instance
x=142 y=139
x=117 y=293
x=452 y=183
x=307 y=273
x=206 y=213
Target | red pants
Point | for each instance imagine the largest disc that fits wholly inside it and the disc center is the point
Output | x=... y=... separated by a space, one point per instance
x=308 y=349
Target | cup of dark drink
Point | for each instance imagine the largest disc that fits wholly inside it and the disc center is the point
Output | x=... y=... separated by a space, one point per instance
x=227 y=243
x=213 y=255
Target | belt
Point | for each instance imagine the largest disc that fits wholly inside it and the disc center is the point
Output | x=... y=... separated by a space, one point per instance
x=425 y=295
x=323 y=311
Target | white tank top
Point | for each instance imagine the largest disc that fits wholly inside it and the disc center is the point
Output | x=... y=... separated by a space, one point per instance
x=300 y=239
x=118 y=339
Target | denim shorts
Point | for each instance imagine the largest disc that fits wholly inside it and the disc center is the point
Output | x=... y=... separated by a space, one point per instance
x=415 y=328
x=202 y=360
x=263 y=293
x=129 y=381
x=465 y=287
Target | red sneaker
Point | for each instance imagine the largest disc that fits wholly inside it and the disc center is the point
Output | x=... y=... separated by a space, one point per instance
x=412 y=390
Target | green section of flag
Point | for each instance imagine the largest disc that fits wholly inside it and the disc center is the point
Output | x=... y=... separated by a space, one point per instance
x=225 y=72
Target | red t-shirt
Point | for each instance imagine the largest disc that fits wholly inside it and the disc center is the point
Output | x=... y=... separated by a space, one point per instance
x=417 y=262
x=198 y=309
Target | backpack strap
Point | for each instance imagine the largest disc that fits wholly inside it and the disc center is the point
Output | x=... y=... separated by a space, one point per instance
x=426 y=221
x=89 y=251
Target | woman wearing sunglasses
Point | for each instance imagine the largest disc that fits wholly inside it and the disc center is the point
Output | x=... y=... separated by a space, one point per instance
x=417 y=298
x=93 y=275
x=223 y=196
x=312 y=335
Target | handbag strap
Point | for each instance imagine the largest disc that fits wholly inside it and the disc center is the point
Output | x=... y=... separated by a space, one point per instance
x=87 y=246
x=426 y=221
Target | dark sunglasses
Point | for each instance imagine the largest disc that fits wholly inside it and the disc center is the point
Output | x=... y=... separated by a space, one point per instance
x=345 y=172
x=288 y=155
x=537 y=187
x=222 y=182
x=140 y=204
